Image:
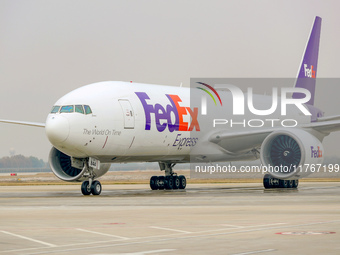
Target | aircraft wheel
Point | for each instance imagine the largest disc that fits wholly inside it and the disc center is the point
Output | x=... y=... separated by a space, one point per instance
x=157 y=184
x=182 y=182
x=295 y=184
x=266 y=181
x=161 y=182
x=176 y=182
x=283 y=184
x=85 y=188
x=153 y=182
x=96 y=188
x=290 y=184
x=169 y=182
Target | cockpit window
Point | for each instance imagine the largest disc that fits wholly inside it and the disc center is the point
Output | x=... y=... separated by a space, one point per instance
x=87 y=109
x=55 y=109
x=83 y=109
x=79 y=108
x=67 y=108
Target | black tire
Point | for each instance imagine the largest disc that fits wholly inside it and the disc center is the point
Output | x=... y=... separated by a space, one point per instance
x=157 y=184
x=290 y=184
x=85 y=188
x=160 y=182
x=176 y=182
x=169 y=182
x=283 y=184
x=182 y=182
x=295 y=184
x=266 y=182
x=96 y=188
x=153 y=181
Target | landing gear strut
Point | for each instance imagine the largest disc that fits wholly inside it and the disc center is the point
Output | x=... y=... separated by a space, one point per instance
x=272 y=183
x=170 y=180
x=91 y=186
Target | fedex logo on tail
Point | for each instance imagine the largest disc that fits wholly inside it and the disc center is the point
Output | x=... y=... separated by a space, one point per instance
x=309 y=72
x=163 y=114
x=316 y=153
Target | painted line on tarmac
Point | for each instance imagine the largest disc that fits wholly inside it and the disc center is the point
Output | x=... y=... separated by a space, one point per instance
x=253 y=252
x=274 y=224
x=171 y=229
x=237 y=227
x=251 y=226
x=102 y=234
x=195 y=235
x=138 y=253
x=231 y=226
x=29 y=239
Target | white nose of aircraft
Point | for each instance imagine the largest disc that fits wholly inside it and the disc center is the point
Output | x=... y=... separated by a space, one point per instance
x=57 y=129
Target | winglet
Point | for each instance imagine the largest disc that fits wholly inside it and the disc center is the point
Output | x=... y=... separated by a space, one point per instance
x=306 y=77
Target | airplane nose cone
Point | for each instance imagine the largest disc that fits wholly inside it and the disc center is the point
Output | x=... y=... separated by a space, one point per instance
x=57 y=129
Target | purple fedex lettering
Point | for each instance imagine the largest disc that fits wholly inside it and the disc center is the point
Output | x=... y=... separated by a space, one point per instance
x=169 y=109
x=160 y=114
x=163 y=114
x=316 y=153
x=148 y=109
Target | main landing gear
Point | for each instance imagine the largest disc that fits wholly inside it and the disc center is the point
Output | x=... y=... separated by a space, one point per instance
x=272 y=183
x=170 y=180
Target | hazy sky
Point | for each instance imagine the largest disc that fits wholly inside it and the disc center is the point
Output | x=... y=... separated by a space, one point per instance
x=49 y=48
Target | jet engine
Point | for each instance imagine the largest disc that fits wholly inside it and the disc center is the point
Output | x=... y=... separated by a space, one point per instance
x=291 y=154
x=71 y=169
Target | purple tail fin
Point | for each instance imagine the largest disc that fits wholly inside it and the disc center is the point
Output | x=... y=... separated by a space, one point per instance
x=306 y=77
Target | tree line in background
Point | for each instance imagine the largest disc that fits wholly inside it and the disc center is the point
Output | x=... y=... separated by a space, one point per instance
x=20 y=161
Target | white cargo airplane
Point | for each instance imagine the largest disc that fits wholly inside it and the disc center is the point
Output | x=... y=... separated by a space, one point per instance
x=110 y=122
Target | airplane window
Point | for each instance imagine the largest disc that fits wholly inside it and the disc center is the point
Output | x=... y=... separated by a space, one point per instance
x=87 y=109
x=67 y=108
x=55 y=109
x=79 y=108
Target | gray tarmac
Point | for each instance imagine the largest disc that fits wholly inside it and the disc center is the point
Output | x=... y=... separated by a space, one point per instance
x=238 y=218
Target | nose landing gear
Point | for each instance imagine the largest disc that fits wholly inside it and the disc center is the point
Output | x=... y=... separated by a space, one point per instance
x=95 y=188
x=91 y=186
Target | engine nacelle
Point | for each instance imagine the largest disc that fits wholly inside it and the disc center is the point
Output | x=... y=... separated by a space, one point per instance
x=69 y=169
x=290 y=154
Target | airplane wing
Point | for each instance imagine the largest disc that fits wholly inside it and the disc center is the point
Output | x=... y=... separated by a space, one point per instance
x=334 y=117
x=248 y=140
x=240 y=141
x=325 y=127
x=25 y=123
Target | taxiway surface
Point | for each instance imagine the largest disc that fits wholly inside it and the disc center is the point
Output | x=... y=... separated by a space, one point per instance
x=203 y=219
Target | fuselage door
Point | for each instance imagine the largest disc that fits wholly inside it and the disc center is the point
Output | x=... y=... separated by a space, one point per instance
x=129 y=116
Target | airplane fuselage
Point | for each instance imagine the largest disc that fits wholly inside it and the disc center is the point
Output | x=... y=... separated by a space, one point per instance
x=131 y=122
